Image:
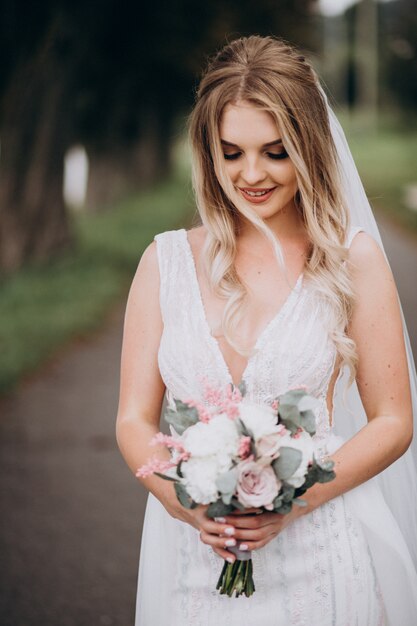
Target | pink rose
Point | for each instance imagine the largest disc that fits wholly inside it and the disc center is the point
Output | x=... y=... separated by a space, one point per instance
x=244 y=447
x=257 y=485
x=267 y=447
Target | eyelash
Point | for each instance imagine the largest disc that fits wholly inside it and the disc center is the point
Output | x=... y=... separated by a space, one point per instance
x=233 y=157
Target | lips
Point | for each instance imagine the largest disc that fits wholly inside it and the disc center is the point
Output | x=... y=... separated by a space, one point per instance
x=257 y=194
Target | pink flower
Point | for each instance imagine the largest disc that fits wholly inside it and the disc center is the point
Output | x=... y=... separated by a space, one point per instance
x=168 y=441
x=257 y=485
x=267 y=447
x=244 y=447
x=155 y=465
x=203 y=413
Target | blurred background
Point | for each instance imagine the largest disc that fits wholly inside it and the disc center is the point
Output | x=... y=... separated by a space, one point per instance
x=94 y=98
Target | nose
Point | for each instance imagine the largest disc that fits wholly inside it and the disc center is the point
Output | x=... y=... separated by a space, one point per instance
x=252 y=171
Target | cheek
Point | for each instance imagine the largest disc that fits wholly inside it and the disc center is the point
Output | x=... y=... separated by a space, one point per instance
x=286 y=175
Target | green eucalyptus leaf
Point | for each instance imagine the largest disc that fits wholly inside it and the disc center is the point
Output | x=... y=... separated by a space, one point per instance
x=219 y=509
x=242 y=388
x=288 y=492
x=324 y=476
x=181 y=420
x=287 y=463
x=290 y=413
x=236 y=504
x=284 y=508
x=289 y=425
x=277 y=502
x=183 y=497
x=308 y=421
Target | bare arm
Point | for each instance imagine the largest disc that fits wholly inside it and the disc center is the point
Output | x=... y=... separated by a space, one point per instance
x=382 y=375
x=141 y=386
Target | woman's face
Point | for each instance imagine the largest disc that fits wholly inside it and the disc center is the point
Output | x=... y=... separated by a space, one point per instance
x=255 y=159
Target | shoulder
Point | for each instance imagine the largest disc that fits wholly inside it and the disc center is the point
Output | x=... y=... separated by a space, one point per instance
x=196 y=237
x=366 y=257
x=373 y=283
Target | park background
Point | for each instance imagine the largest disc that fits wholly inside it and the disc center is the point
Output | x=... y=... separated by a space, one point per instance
x=94 y=162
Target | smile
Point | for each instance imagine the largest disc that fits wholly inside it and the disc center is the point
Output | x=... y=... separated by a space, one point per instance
x=257 y=195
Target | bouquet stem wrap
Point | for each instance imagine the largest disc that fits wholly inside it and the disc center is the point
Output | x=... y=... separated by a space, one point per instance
x=237 y=577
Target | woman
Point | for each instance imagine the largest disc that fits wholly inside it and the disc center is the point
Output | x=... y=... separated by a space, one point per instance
x=278 y=289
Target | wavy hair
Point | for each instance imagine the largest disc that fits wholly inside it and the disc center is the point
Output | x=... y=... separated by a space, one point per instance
x=273 y=75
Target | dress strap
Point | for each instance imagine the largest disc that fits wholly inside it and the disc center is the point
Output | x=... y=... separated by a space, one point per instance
x=171 y=270
x=351 y=234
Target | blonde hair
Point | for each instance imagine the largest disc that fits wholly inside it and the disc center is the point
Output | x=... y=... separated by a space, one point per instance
x=272 y=75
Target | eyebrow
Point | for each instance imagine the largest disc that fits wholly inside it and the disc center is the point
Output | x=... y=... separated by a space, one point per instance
x=266 y=145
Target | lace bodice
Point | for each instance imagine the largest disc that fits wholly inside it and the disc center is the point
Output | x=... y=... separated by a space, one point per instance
x=294 y=349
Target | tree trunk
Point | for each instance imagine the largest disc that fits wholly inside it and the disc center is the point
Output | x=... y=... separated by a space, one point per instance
x=33 y=221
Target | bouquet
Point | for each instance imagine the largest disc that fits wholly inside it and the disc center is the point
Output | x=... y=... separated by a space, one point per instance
x=233 y=454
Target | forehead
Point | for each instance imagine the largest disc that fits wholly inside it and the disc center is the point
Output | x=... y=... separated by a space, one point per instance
x=243 y=122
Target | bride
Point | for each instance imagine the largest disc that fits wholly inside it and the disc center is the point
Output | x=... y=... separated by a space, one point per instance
x=284 y=283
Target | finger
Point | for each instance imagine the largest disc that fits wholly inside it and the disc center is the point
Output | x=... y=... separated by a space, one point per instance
x=252 y=521
x=216 y=528
x=225 y=554
x=217 y=542
x=255 y=545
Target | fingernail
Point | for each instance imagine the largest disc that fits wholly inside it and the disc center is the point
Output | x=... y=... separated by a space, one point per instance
x=229 y=531
x=230 y=542
x=243 y=546
x=221 y=520
x=230 y=559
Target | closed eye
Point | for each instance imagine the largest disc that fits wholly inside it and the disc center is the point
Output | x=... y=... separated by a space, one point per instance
x=271 y=155
x=280 y=155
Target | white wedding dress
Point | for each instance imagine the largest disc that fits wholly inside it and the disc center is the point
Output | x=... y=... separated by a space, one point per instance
x=328 y=568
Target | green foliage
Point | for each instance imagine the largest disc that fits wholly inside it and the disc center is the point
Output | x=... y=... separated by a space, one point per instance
x=43 y=307
x=295 y=410
x=183 y=496
x=182 y=418
x=287 y=463
x=219 y=509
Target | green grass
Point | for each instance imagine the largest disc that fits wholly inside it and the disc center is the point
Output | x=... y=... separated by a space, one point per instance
x=386 y=161
x=43 y=307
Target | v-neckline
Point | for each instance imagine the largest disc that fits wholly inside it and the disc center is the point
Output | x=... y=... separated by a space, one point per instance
x=263 y=334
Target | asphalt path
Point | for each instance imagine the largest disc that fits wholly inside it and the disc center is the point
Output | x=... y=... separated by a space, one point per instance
x=71 y=511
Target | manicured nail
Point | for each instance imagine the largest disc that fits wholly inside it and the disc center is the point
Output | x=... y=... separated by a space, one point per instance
x=229 y=531
x=243 y=546
x=221 y=520
x=230 y=542
x=230 y=559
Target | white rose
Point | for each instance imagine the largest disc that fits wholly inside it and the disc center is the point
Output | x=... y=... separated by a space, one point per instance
x=200 y=474
x=219 y=437
x=260 y=420
x=303 y=442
